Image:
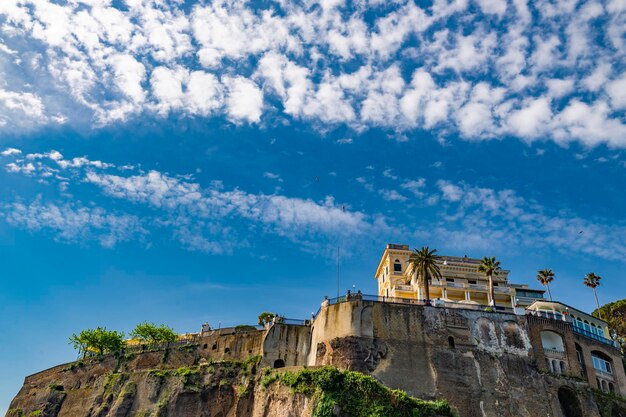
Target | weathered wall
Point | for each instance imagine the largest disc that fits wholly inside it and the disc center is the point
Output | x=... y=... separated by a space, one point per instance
x=183 y=385
x=289 y=344
x=484 y=364
x=488 y=368
x=220 y=345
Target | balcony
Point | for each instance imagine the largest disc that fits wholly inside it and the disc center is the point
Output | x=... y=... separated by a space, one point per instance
x=554 y=354
x=502 y=290
x=404 y=288
x=590 y=335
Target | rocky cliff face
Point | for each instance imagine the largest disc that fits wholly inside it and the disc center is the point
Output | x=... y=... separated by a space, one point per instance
x=156 y=384
x=179 y=383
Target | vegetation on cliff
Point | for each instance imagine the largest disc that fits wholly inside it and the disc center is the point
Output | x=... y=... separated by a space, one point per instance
x=347 y=393
x=615 y=314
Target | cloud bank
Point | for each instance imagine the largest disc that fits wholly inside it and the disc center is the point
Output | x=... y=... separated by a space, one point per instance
x=479 y=69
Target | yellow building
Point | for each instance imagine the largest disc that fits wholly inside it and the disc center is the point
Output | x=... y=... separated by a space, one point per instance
x=460 y=282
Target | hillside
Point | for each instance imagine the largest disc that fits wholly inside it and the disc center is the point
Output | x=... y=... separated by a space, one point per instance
x=176 y=383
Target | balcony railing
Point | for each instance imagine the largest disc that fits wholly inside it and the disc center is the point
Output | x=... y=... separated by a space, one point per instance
x=552 y=353
x=594 y=336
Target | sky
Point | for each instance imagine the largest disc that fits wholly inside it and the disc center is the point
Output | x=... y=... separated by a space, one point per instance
x=187 y=162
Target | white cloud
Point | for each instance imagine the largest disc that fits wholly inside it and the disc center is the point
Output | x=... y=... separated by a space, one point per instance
x=493 y=6
x=532 y=120
x=74 y=223
x=10 y=151
x=616 y=90
x=415 y=186
x=398 y=67
x=391 y=195
x=518 y=224
x=245 y=99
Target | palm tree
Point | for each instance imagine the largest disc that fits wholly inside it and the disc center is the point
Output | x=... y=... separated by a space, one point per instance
x=545 y=277
x=490 y=267
x=423 y=263
x=592 y=281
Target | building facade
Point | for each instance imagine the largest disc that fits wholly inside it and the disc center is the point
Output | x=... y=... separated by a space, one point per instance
x=460 y=281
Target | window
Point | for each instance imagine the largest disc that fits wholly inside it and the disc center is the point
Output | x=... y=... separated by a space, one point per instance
x=450 y=279
x=495 y=284
x=471 y=281
x=601 y=363
x=397 y=266
x=451 y=342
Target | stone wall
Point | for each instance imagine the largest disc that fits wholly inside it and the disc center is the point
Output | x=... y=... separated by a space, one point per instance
x=485 y=364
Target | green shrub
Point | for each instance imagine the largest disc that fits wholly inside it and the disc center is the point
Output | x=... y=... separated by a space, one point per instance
x=356 y=394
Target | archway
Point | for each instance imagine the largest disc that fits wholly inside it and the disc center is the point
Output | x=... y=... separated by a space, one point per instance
x=569 y=402
x=279 y=363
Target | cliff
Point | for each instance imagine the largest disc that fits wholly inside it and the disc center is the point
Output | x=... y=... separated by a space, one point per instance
x=483 y=364
x=178 y=383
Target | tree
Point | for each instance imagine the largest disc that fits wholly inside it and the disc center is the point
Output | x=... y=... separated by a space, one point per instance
x=423 y=263
x=593 y=281
x=266 y=318
x=545 y=277
x=490 y=267
x=151 y=333
x=99 y=341
x=615 y=315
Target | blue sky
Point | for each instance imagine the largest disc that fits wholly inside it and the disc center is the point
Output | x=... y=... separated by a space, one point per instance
x=184 y=162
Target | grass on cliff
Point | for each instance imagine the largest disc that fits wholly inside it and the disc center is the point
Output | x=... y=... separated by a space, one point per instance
x=355 y=394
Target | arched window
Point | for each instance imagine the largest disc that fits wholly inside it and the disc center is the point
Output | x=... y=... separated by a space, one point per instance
x=611 y=387
x=605 y=386
x=562 y=367
x=279 y=363
x=214 y=346
x=451 y=342
x=397 y=266
x=552 y=341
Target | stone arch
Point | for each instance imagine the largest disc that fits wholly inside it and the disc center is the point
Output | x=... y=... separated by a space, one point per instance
x=367 y=327
x=552 y=341
x=279 y=363
x=569 y=402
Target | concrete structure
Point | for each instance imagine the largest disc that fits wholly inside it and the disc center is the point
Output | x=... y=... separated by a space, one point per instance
x=460 y=282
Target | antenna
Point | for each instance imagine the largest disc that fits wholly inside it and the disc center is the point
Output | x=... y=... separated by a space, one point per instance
x=337 y=269
x=343 y=210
